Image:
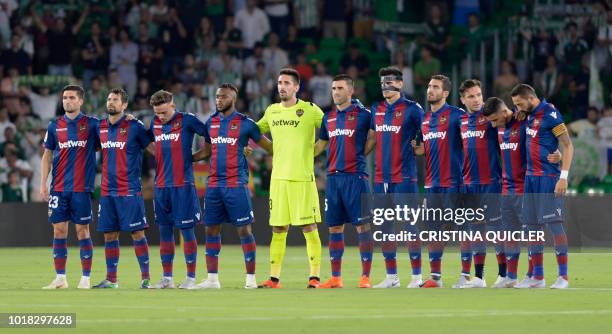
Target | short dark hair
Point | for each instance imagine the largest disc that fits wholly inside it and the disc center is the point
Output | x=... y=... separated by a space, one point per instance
x=229 y=86
x=492 y=105
x=446 y=83
x=121 y=92
x=347 y=78
x=290 y=72
x=160 y=97
x=390 y=70
x=467 y=84
x=75 y=88
x=523 y=90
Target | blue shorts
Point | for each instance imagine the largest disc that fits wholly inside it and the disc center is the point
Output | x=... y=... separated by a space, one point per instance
x=178 y=206
x=70 y=206
x=512 y=215
x=540 y=205
x=121 y=213
x=486 y=197
x=223 y=204
x=347 y=200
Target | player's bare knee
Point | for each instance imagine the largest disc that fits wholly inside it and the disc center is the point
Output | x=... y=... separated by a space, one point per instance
x=309 y=228
x=60 y=230
x=111 y=236
x=280 y=229
x=244 y=231
x=137 y=235
x=362 y=228
x=336 y=229
x=213 y=230
x=82 y=231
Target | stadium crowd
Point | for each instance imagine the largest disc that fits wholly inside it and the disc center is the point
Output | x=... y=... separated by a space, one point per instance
x=190 y=47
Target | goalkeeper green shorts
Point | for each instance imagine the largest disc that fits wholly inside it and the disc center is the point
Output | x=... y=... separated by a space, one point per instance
x=294 y=203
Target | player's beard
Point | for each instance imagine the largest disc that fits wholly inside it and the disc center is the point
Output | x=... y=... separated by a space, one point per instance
x=112 y=111
x=224 y=110
x=341 y=101
x=434 y=100
x=530 y=108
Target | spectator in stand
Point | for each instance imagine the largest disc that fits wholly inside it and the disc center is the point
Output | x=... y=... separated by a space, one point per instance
x=150 y=55
x=278 y=15
x=15 y=57
x=604 y=129
x=363 y=19
x=174 y=43
x=506 y=80
x=303 y=68
x=427 y=66
x=440 y=39
x=586 y=128
x=249 y=69
x=400 y=62
x=12 y=191
x=334 y=18
x=11 y=162
x=320 y=86
x=123 y=58
x=573 y=50
x=60 y=39
x=44 y=104
x=306 y=17
x=275 y=57
x=4 y=123
x=34 y=162
x=579 y=91
x=94 y=55
x=543 y=44
x=292 y=45
x=258 y=90
x=355 y=58
x=233 y=36
x=95 y=103
x=253 y=23
x=550 y=80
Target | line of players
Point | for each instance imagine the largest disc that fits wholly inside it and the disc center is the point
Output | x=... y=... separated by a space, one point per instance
x=471 y=158
x=455 y=163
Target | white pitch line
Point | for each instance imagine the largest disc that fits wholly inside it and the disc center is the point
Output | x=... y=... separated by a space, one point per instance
x=451 y=314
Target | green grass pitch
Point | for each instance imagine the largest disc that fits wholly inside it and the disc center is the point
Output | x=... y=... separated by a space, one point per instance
x=586 y=308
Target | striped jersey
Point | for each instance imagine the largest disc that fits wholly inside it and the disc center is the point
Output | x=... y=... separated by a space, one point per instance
x=395 y=125
x=173 y=141
x=74 y=143
x=228 y=136
x=122 y=144
x=347 y=132
x=443 y=147
x=544 y=124
x=481 y=163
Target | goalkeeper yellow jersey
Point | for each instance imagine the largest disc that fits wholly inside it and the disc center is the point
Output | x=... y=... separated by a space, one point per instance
x=293 y=133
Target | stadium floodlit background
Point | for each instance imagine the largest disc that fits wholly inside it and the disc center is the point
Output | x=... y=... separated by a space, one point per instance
x=562 y=48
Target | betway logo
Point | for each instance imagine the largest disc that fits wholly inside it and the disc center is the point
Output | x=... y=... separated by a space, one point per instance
x=531 y=132
x=388 y=128
x=113 y=144
x=73 y=143
x=168 y=136
x=434 y=135
x=282 y=122
x=473 y=134
x=341 y=132
x=223 y=140
x=508 y=146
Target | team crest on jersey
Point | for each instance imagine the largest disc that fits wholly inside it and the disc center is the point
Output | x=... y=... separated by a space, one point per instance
x=536 y=122
x=398 y=114
x=299 y=112
x=123 y=131
x=514 y=133
x=234 y=126
x=82 y=127
x=482 y=120
x=351 y=117
x=443 y=120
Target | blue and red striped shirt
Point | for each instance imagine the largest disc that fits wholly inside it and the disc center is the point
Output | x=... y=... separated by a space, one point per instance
x=480 y=150
x=347 y=133
x=395 y=125
x=541 y=141
x=122 y=144
x=74 y=143
x=443 y=147
x=173 y=141
x=228 y=136
x=512 y=146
